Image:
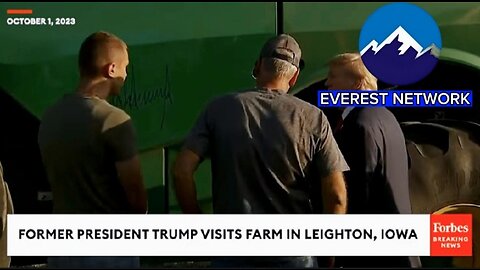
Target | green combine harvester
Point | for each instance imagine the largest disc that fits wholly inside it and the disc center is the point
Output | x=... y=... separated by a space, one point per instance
x=184 y=54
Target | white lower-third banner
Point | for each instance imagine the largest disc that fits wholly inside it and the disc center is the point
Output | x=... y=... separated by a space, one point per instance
x=221 y=235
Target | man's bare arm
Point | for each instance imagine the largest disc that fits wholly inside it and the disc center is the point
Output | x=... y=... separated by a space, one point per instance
x=184 y=168
x=131 y=178
x=334 y=194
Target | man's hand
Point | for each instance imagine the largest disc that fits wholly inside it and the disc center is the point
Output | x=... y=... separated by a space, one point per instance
x=185 y=166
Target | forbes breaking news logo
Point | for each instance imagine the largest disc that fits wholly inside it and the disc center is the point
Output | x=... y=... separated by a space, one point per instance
x=451 y=235
x=400 y=44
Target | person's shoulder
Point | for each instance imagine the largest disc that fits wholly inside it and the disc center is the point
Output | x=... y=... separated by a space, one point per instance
x=377 y=120
x=308 y=110
x=374 y=115
x=55 y=111
x=111 y=115
x=313 y=116
x=55 y=106
x=228 y=98
x=245 y=95
x=242 y=94
x=305 y=105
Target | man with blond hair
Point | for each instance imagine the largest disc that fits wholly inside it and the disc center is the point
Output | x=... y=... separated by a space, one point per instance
x=88 y=147
x=373 y=144
x=268 y=149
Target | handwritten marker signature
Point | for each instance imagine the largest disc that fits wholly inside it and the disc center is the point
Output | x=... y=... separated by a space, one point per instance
x=132 y=98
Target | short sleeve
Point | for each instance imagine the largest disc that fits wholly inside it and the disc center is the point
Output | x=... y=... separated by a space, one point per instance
x=198 y=140
x=120 y=137
x=328 y=157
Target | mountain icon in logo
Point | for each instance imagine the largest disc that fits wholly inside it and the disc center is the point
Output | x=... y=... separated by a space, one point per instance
x=406 y=41
x=397 y=56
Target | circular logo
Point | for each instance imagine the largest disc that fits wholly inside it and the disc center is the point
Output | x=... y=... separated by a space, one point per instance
x=400 y=43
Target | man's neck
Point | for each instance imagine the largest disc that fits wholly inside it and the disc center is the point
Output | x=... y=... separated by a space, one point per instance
x=278 y=86
x=93 y=88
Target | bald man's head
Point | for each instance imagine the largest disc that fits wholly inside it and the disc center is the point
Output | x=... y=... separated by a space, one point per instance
x=98 y=52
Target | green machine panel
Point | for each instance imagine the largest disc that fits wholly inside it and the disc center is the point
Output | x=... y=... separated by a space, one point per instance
x=181 y=55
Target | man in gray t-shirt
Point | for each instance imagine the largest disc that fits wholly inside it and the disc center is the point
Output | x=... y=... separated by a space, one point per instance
x=88 y=147
x=271 y=153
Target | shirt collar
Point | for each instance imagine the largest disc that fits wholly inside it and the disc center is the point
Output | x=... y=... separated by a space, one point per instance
x=346 y=112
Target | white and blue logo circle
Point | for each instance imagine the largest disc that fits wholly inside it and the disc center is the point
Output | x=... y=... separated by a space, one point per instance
x=400 y=43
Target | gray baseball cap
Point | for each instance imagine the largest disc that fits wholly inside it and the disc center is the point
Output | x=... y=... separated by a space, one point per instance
x=283 y=47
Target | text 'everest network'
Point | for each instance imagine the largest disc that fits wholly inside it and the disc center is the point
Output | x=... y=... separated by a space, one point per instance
x=401 y=98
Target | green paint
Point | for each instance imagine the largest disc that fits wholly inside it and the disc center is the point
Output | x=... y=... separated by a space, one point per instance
x=180 y=58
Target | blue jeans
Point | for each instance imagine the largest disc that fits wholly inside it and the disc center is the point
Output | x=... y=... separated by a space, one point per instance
x=93 y=262
x=262 y=262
